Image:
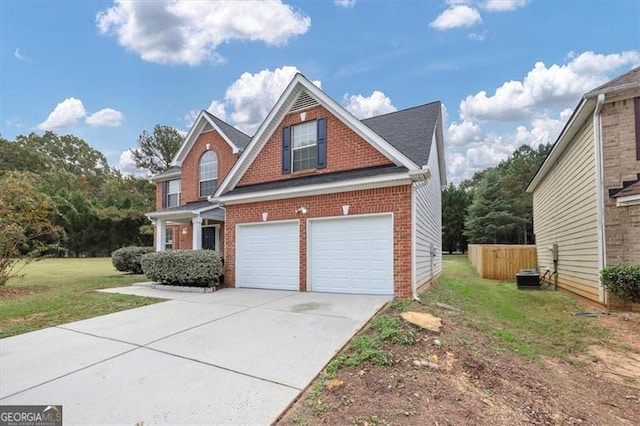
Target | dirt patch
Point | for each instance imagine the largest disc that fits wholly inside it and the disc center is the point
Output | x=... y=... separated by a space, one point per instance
x=8 y=292
x=28 y=318
x=478 y=384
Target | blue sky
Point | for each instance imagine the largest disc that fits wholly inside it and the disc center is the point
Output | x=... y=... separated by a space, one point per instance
x=508 y=72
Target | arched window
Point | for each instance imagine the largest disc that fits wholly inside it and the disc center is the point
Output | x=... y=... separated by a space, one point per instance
x=208 y=173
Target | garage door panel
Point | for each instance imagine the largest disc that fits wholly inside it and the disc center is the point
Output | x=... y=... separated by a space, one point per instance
x=351 y=255
x=267 y=256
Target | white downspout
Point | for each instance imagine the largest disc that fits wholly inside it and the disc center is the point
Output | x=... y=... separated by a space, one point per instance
x=597 y=132
x=414 y=290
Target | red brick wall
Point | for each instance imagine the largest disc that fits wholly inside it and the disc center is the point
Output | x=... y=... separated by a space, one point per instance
x=395 y=199
x=345 y=150
x=191 y=167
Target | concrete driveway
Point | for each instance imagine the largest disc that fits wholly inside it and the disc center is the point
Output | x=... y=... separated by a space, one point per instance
x=237 y=356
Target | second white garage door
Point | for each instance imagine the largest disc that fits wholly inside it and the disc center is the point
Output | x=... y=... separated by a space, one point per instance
x=268 y=255
x=351 y=255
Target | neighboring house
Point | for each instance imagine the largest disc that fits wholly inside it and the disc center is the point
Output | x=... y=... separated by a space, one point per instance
x=586 y=195
x=317 y=199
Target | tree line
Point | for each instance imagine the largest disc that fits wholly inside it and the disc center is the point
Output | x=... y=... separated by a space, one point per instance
x=493 y=206
x=92 y=208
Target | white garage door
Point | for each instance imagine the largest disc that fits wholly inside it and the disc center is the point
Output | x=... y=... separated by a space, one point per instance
x=351 y=255
x=267 y=256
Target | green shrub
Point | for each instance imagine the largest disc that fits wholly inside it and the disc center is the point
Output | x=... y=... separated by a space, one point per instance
x=197 y=268
x=127 y=259
x=623 y=281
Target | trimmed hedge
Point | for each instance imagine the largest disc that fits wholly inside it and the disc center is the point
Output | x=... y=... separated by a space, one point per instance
x=196 y=268
x=623 y=281
x=127 y=259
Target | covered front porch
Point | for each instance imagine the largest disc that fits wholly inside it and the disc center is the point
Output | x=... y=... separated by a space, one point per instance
x=193 y=226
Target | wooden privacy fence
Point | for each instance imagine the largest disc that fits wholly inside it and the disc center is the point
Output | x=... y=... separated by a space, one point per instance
x=501 y=261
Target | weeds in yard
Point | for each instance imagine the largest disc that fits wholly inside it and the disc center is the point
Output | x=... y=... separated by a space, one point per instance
x=401 y=305
x=393 y=329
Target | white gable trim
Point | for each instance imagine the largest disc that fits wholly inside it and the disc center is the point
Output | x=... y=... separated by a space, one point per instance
x=195 y=131
x=279 y=111
x=438 y=139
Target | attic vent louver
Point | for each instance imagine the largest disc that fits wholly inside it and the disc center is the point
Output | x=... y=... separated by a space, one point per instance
x=304 y=101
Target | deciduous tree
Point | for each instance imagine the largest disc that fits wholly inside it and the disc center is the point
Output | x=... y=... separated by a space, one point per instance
x=156 y=150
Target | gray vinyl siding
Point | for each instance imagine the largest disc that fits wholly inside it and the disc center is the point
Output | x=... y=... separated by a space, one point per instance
x=428 y=222
x=565 y=213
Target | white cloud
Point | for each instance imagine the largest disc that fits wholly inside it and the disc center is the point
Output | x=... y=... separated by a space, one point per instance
x=66 y=114
x=127 y=166
x=345 y=3
x=189 y=32
x=218 y=109
x=105 y=117
x=456 y=17
x=504 y=5
x=368 y=106
x=248 y=100
x=545 y=87
x=19 y=55
x=463 y=133
x=471 y=148
x=477 y=36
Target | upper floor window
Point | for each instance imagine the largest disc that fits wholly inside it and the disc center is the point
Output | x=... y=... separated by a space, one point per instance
x=305 y=151
x=304 y=146
x=208 y=173
x=171 y=193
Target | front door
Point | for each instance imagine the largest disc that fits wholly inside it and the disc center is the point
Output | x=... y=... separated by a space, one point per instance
x=209 y=238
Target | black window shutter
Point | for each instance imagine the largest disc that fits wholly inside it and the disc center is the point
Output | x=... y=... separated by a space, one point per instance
x=322 y=143
x=286 y=150
x=165 y=190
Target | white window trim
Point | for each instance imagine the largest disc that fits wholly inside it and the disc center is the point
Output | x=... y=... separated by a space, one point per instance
x=200 y=164
x=169 y=193
x=293 y=144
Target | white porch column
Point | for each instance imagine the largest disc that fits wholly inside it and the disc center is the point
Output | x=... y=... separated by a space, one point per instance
x=197 y=233
x=160 y=234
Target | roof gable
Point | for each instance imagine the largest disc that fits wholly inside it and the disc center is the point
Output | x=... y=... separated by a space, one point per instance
x=298 y=93
x=232 y=136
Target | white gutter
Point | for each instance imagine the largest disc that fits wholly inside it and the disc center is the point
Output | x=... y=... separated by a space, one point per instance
x=318 y=189
x=629 y=200
x=597 y=132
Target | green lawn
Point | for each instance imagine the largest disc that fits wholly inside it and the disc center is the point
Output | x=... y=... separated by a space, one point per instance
x=57 y=291
x=530 y=322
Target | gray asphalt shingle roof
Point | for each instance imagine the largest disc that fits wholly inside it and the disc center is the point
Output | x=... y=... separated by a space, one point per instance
x=410 y=130
x=196 y=205
x=318 y=179
x=239 y=139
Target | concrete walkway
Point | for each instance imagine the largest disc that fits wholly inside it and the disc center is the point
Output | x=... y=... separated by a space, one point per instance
x=236 y=356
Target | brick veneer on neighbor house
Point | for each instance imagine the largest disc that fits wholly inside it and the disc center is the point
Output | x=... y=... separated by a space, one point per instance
x=396 y=199
x=345 y=150
x=620 y=163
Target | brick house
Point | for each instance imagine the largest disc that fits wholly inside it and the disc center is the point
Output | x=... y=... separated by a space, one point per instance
x=316 y=200
x=586 y=195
